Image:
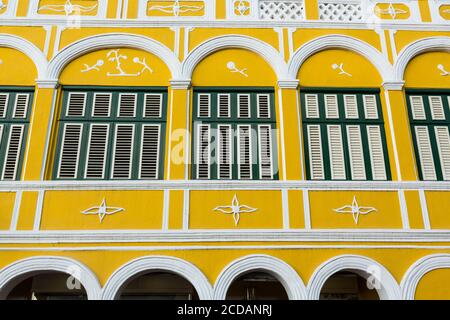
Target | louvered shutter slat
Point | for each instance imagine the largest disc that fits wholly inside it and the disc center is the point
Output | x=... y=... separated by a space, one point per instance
x=376 y=153
x=150 y=151
x=70 y=151
x=204 y=105
x=97 y=149
x=351 y=107
x=315 y=152
x=425 y=153
x=356 y=153
x=153 y=105
x=21 y=105
x=203 y=152
x=417 y=107
x=336 y=149
x=4 y=98
x=312 y=106
x=370 y=107
x=123 y=152
x=265 y=152
x=437 y=108
x=13 y=152
x=443 y=143
x=263 y=106
x=244 y=152
x=331 y=106
x=223 y=103
x=244 y=106
x=76 y=104
x=127 y=105
x=224 y=152
x=102 y=105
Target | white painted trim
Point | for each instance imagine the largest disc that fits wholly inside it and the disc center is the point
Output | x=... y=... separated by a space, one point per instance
x=15 y=213
x=403 y=209
x=10 y=10
x=283 y=272
x=306 y=210
x=393 y=135
x=112 y=40
x=418 y=47
x=435 y=6
x=421 y=267
x=282 y=137
x=165 y=219
x=266 y=51
x=28 y=48
x=341 y=42
x=38 y=212
x=12 y=274
x=424 y=207
x=186 y=209
x=34 y=7
x=147 y=264
x=363 y=266
x=285 y=202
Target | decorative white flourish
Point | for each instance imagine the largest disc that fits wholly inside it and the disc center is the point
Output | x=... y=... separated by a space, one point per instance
x=116 y=57
x=355 y=210
x=241 y=7
x=176 y=8
x=391 y=10
x=235 y=209
x=102 y=210
x=96 y=66
x=143 y=64
x=68 y=8
x=443 y=71
x=232 y=67
x=340 y=67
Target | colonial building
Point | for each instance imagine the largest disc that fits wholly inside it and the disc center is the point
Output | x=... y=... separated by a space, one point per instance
x=201 y=149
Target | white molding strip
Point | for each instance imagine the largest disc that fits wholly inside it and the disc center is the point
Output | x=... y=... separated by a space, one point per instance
x=285 y=203
x=15 y=214
x=38 y=214
x=403 y=209
x=165 y=220
x=424 y=206
x=306 y=210
x=186 y=209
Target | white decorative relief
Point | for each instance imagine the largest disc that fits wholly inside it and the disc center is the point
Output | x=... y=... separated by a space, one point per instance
x=235 y=209
x=443 y=71
x=394 y=10
x=116 y=57
x=391 y=11
x=241 y=8
x=281 y=10
x=341 y=11
x=176 y=9
x=8 y=9
x=232 y=67
x=68 y=8
x=439 y=7
x=340 y=68
x=355 y=210
x=102 y=210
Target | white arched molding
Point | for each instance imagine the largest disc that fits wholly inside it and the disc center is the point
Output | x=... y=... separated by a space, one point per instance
x=283 y=272
x=113 y=40
x=266 y=51
x=12 y=274
x=418 y=270
x=340 y=42
x=418 y=47
x=363 y=266
x=29 y=49
x=147 y=264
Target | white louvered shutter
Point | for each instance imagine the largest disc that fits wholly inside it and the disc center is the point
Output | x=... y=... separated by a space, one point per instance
x=204 y=105
x=244 y=152
x=443 y=143
x=331 y=106
x=265 y=152
x=203 y=151
x=97 y=150
x=376 y=153
x=244 y=106
x=417 y=107
x=312 y=106
x=4 y=98
x=223 y=105
x=336 y=149
x=153 y=105
x=76 y=104
x=351 y=106
x=127 y=105
x=437 y=108
x=102 y=105
x=224 y=152
x=263 y=106
x=70 y=151
x=370 y=106
x=315 y=152
x=123 y=151
x=356 y=153
x=13 y=152
x=425 y=153
x=149 y=164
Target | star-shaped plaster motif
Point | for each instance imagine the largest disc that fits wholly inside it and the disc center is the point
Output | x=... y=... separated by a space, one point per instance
x=102 y=210
x=235 y=209
x=355 y=210
x=391 y=10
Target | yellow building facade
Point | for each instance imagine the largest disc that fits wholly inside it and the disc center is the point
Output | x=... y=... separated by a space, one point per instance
x=225 y=149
